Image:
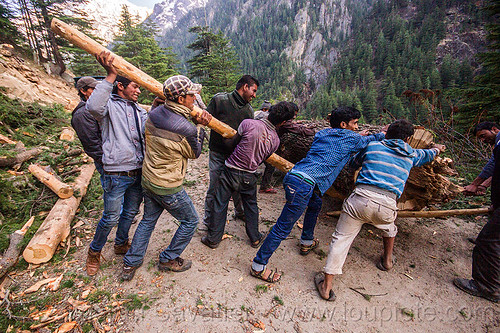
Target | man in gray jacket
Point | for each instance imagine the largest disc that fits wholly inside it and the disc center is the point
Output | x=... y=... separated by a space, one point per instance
x=122 y=125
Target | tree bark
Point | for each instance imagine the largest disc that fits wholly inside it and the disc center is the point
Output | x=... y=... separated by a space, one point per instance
x=62 y=190
x=11 y=255
x=67 y=134
x=56 y=226
x=19 y=158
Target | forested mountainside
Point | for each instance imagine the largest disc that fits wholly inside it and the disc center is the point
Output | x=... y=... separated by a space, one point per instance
x=360 y=52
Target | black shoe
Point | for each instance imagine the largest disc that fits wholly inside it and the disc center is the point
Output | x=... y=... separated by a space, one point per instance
x=240 y=217
x=472 y=240
x=128 y=272
x=208 y=243
x=471 y=287
x=175 y=265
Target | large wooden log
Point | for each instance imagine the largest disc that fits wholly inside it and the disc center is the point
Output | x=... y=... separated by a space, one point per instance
x=431 y=213
x=56 y=226
x=11 y=255
x=128 y=70
x=62 y=190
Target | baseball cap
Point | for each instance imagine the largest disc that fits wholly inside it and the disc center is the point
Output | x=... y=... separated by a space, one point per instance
x=266 y=105
x=180 y=85
x=86 y=81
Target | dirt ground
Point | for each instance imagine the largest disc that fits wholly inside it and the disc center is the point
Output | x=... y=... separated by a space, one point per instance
x=218 y=294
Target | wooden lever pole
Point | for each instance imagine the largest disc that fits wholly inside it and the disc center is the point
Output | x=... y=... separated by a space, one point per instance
x=144 y=80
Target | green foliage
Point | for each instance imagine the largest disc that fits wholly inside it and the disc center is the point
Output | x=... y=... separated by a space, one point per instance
x=8 y=31
x=215 y=64
x=138 y=46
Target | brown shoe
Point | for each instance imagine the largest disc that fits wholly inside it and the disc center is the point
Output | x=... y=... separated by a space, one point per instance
x=93 y=262
x=122 y=249
x=175 y=265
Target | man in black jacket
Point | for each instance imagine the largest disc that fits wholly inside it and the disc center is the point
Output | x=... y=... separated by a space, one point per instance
x=86 y=126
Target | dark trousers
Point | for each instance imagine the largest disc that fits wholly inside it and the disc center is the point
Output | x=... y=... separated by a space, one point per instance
x=230 y=181
x=486 y=256
x=267 y=176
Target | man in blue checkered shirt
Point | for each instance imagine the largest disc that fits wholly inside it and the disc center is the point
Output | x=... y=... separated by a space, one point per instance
x=306 y=183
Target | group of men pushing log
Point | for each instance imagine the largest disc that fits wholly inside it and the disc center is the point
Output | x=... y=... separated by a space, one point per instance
x=144 y=156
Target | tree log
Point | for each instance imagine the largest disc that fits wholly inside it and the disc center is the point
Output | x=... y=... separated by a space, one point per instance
x=56 y=226
x=5 y=139
x=67 y=134
x=11 y=255
x=133 y=73
x=62 y=190
x=19 y=158
x=431 y=213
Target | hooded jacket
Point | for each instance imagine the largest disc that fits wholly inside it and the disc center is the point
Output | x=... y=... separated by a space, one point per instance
x=386 y=164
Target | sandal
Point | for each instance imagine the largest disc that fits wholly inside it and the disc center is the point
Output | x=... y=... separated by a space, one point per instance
x=305 y=249
x=271 y=278
x=380 y=264
x=319 y=279
x=259 y=242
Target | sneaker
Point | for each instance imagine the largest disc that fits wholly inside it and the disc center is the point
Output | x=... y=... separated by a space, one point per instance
x=128 y=272
x=122 y=249
x=175 y=265
x=471 y=287
x=208 y=243
x=305 y=249
x=93 y=262
x=268 y=190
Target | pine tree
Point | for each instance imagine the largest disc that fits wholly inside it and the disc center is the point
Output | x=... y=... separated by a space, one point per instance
x=215 y=64
x=8 y=31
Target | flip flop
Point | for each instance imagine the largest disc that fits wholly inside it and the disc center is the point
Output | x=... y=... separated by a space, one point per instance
x=380 y=264
x=319 y=278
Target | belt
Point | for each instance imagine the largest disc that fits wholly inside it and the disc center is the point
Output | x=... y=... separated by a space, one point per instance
x=307 y=180
x=131 y=173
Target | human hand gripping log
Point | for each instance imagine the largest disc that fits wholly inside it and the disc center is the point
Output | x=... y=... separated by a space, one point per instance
x=131 y=72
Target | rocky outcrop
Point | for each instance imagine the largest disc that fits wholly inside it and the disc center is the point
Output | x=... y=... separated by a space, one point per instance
x=166 y=14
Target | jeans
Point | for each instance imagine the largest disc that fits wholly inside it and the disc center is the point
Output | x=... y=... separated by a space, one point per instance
x=216 y=165
x=300 y=196
x=230 y=181
x=117 y=190
x=180 y=206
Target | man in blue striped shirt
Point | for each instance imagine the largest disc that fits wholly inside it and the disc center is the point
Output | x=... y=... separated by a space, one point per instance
x=306 y=183
x=385 y=167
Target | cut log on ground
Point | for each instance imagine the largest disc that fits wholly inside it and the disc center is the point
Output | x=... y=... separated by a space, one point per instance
x=62 y=190
x=431 y=213
x=12 y=253
x=67 y=134
x=56 y=226
x=5 y=139
x=19 y=158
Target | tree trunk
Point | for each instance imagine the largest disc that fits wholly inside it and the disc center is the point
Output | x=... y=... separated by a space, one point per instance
x=67 y=134
x=52 y=39
x=62 y=190
x=11 y=255
x=56 y=226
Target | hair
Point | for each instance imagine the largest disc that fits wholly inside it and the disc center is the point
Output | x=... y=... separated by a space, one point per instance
x=280 y=112
x=343 y=113
x=82 y=96
x=123 y=80
x=485 y=125
x=246 y=79
x=400 y=129
x=293 y=106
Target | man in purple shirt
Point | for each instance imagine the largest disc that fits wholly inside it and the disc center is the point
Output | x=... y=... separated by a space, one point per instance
x=256 y=140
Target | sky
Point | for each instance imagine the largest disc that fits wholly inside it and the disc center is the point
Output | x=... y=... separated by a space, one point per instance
x=145 y=3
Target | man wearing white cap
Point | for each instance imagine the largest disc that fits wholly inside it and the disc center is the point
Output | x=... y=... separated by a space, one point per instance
x=171 y=139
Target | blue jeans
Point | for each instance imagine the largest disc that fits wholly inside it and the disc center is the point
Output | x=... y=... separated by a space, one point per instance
x=300 y=196
x=181 y=207
x=117 y=190
x=216 y=165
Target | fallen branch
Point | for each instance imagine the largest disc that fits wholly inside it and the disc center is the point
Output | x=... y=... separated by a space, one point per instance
x=431 y=213
x=56 y=318
x=100 y=314
x=19 y=158
x=62 y=190
x=56 y=225
x=5 y=139
x=366 y=296
x=11 y=255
